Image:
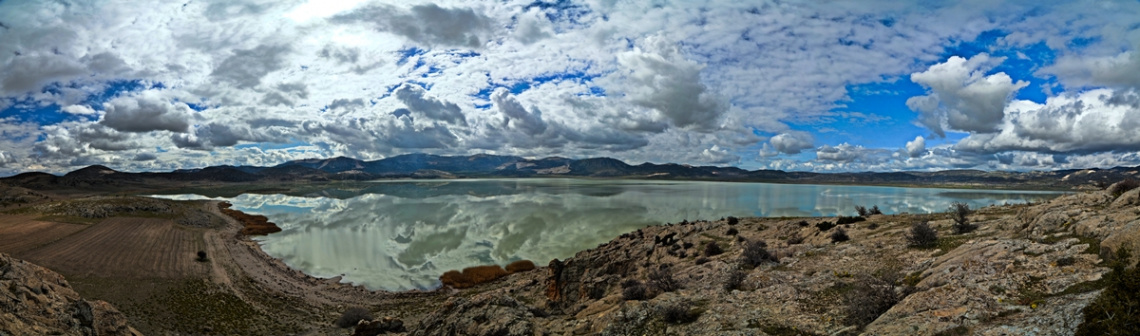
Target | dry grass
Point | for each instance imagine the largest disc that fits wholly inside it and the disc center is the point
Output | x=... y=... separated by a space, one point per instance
x=520 y=266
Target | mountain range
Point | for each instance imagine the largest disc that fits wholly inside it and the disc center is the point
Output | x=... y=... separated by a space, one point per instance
x=489 y=166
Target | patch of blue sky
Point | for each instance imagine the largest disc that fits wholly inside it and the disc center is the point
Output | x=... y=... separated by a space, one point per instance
x=517 y=86
x=561 y=11
x=272 y=146
x=407 y=53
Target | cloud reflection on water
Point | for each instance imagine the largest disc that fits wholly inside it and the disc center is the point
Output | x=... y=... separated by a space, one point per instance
x=402 y=235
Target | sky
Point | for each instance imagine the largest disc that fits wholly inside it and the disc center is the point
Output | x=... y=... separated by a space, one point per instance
x=820 y=86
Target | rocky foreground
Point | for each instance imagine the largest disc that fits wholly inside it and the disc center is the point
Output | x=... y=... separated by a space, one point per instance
x=1024 y=270
x=37 y=301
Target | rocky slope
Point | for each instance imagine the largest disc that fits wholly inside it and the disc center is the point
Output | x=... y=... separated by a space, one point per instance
x=37 y=301
x=1025 y=270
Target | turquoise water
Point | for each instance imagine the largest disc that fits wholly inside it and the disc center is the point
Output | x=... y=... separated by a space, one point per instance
x=399 y=235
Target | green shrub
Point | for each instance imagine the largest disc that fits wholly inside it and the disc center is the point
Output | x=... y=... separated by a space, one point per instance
x=824 y=226
x=731 y=232
x=1115 y=311
x=802 y=223
x=848 y=220
x=862 y=211
x=839 y=235
x=960 y=212
x=756 y=253
x=921 y=235
x=733 y=220
x=875 y=210
x=712 y=249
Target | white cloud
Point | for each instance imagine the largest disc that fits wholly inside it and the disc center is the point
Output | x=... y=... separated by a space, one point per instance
x=657 y=76
x=916 y=147
x=792 y=142
x=78 y=109
x=961 y=96
x=146 y=112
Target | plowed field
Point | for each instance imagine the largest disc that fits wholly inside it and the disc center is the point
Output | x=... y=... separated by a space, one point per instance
x=125 y=247
x=21 y=233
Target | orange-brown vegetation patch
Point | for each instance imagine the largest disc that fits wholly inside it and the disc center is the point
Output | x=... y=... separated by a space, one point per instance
x=520 y=266
x=472 y=276
x=124 y=247
x=253 y=224
x=19 y=233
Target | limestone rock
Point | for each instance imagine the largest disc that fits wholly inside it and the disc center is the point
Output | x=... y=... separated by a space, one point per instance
x=37 y=301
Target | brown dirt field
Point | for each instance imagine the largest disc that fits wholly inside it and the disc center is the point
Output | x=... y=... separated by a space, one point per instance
x=126 y=247
x=19 y=233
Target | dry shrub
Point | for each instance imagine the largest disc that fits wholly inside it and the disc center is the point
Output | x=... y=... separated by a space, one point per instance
x=520 y=266
x=1123 y=186
x=352 y=316
x=662 y=279
x=713 y=249
x=472 y=276
x=921 y=235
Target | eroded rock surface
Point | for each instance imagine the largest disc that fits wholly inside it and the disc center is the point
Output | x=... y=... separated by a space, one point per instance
x=37 y=301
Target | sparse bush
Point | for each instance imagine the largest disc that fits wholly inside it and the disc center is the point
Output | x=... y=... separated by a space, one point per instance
x=862 y=211
x=756 y=253
x=960 y=212
x=712 y=249
x=795 y=239
x=662 y=280
x=733 y=220
x=875 y=210
x=1123 y=186
x=921 y=235
x=734 y=279
x=633 y=290
x=520 y=266
x=731 y=232
x=702 y=260
x=802 y=223
x=824 y=226
x=1066 y=261
x=202 y=256
x=872 y=226
x=686 y=245
x=867 y=298
x=839 y=235
x=679 y=312
x=352 y=316
x=842 y=220
x=1114 y=311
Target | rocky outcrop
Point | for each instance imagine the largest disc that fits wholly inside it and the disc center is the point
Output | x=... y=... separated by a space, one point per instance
x=1027 y=269
x=37 y=301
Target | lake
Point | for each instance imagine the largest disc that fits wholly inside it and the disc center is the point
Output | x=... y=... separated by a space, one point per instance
x=400 y=235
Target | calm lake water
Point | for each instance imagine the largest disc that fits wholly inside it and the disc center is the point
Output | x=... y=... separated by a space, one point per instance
x=399 y=235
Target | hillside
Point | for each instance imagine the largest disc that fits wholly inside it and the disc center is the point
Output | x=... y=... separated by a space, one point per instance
x=101 y=178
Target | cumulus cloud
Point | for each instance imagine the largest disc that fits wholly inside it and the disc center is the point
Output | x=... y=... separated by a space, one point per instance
x=657 y=76
x=414 y=97
x=916 y=147
x=846 y=152
x=1092 y=121
x=78 y=109
x=792 y=142
x=427 y=24
x=146 y=112
x=517 y=116
x=961 y=96
x=1121 y=70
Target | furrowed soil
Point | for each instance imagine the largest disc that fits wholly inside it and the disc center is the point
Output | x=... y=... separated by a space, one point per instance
x=19 y=233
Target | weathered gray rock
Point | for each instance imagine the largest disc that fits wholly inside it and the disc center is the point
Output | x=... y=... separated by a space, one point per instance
x=37 y=301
